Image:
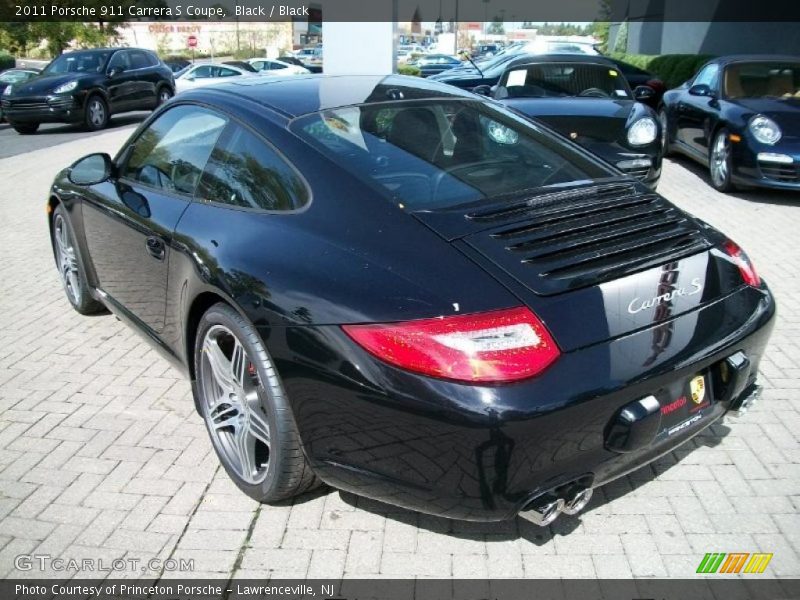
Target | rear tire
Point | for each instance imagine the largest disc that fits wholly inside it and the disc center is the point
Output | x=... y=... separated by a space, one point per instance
x=25 y=128
x=245 y=409
x=71 y=267
x=720 y=162
x=95 y=115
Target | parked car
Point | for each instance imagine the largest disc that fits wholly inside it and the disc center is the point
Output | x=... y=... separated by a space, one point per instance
x=504 y=323
x=14 y=76
x=242 y=64
x=271 y=66
x=486 y=50
x=587 y=99
x=208 y=74
x=637 y=77
x=432 y=64
x=87 y=87
x=471 y=74
x=739 y=116
x=291 y=60
x=176 y=64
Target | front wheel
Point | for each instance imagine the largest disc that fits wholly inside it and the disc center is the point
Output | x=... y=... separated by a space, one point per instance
x=96 y=113
x=720 y=162
x=25 y=128
x=664 y=120
x=70 y=266
x=245 y=409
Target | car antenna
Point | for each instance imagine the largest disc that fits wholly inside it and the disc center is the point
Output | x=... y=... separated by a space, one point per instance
x=469 y=58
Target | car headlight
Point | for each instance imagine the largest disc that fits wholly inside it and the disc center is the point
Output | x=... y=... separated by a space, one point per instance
x=67 y=87
x=643 y=132
x=7 y=91
x=764 y=129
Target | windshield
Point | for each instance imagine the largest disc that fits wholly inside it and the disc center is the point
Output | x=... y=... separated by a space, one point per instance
x=560 y=80
x=77 y=62
x=437 y=153
x=758 y=79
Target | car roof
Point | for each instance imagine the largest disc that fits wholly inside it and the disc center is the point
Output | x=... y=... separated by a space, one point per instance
x=736 y=58
x=563 y=57
x=303 y=94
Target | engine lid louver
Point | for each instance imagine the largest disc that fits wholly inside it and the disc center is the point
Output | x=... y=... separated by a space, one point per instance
x=580 y=237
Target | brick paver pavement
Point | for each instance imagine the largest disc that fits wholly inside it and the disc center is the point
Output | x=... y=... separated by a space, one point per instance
x=104 y=457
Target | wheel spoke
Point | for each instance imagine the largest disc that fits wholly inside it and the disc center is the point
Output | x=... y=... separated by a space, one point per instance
x=238 y=365
x=222 y=415
x=245 y=447
x=259 y=428
x=220 y=365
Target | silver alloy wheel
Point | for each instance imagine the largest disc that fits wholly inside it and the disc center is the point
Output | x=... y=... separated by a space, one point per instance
x=164 y=96
x=67 y=261
x=719 y=160
x=97 y=112
x=231 y=393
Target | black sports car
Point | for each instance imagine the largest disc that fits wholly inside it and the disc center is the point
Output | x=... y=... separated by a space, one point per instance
x=87 y=87
x=587 y=99
x=410 y=292
x=740 y=116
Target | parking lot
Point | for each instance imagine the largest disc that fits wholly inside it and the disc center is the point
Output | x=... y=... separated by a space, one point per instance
x=104 y=457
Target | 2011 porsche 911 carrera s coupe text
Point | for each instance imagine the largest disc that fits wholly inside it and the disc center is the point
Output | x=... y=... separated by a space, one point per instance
x=410 y=292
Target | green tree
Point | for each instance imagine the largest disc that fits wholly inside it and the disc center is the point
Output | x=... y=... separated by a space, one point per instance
x=496 y=27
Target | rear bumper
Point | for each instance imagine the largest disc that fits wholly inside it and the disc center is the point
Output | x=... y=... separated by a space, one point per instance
x=43 y=109
x=482 y=453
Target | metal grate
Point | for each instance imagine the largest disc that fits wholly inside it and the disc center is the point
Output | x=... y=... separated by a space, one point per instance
x=780 y=172
x=587 y=236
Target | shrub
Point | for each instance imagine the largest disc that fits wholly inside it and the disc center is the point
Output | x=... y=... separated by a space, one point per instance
x=409 y=70
x=672 y=69
x=6 y=61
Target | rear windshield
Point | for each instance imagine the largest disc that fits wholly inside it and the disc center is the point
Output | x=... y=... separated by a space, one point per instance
x=561 y=80
x=433 y=154
x=758 y=79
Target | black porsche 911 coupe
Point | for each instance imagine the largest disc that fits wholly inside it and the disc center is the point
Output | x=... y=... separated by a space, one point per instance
x=739 y=116
x=587 y=99
x=412 y=293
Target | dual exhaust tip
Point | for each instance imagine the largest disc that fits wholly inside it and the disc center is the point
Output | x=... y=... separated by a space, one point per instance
x=545 y=509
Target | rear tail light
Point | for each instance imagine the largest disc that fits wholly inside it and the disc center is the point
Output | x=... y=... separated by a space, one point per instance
x=493 y=347
x=741 y=260
x=656 y=84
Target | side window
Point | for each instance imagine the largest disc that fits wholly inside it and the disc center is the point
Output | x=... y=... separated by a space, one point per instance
x=244 y=171
x=223 y=72
x=172 y=152
x=259 y=65
x=139 y=60
x=202 y=72
x=708 y=76
x=275 y=66
x=120 y=60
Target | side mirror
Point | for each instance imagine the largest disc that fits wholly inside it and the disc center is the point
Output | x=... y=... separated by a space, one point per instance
x=483 y=90
x=189 y=78
x=643 y=93
x=91 y=169
x=701 y=89
x=114 y=71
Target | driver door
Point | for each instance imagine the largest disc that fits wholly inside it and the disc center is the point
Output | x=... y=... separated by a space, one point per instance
x=129 y=221
x=122 y=82
x=696 y=112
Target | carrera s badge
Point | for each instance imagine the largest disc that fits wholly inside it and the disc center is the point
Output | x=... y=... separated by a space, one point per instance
x=636 y=305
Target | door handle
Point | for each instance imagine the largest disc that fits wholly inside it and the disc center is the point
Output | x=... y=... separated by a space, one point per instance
x=155 y=247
